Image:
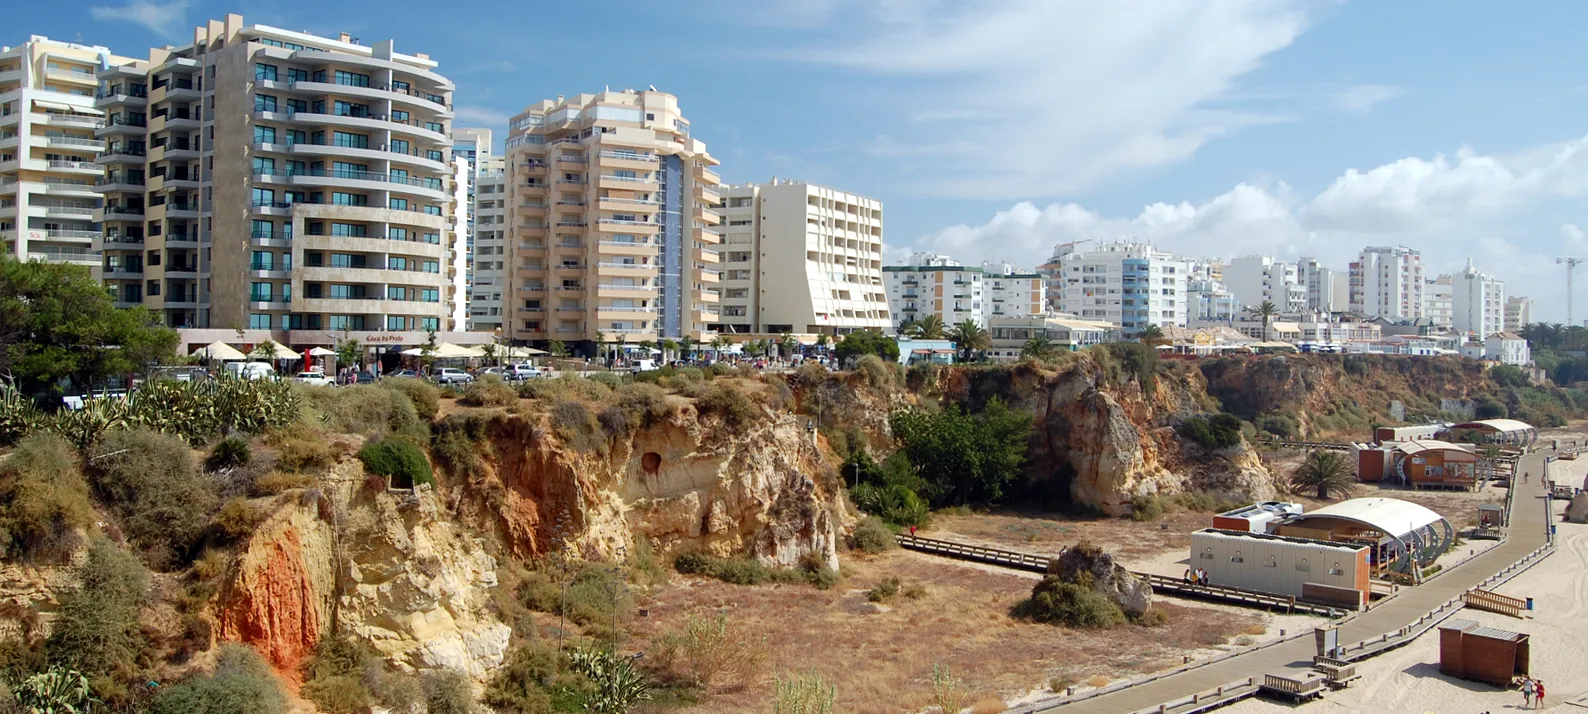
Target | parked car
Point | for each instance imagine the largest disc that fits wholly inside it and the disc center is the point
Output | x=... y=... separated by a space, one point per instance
x=521 y=371
x=317 y=379
x=452 y=375
x=251 y=370
x=365 y=378
x=404 y=373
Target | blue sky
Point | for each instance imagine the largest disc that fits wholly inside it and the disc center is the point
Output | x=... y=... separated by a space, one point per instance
x=993 y=129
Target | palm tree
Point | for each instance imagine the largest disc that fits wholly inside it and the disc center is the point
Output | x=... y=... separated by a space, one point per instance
x=787 y=345
x=1038 y=348
x=969 y=338
x=1266 y=311
x=717 y=343
x=647 y=346
x=908 y=327
x=930 y=327
x=1152 y=335
x=687 y=344
x=1326 y=472
x=669 y=346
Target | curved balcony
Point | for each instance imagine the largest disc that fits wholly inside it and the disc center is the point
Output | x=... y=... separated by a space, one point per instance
x=320 y=58
x=122 y=155
x=371 y=152
x=362 y=180
x=376 y=91
x=77 y=167
x=73 y=143
x=614 y=225
x=372 y=244
x=627 y=183
x=359 y=121
x=636 y=248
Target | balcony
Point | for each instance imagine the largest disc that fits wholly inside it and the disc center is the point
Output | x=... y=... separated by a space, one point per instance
x=122 y=128
x=84 y=167
x=626 y=269
x=72 y=120
x=618 y=247
x=432 y=160
x=359 y=121
x=628 y=183
x=66 y=212
x=410 y=96
x=618 y=312
x=122 y=272
x=72 y=143
x=119 y=213
x=120 y=96
x=609 y=290
x=122 y=154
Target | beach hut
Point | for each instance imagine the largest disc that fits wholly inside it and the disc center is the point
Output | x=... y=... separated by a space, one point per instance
x=1482 y=654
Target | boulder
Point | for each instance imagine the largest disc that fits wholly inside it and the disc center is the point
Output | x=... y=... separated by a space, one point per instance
x=1086 y=564
x=1577 y=510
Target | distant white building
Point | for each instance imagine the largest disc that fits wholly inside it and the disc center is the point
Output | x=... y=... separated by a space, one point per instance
x=1507 y=348
x=489 y=259
x=1008 y=292
x=1328 y=290
x=1256 y=279
x=1478 y=302
x=1387 y=282
x=934 y=285
x=1132 y=285
x=1518 y=313
x=1439 y=301
x=1208 y=300
x=1008 y=335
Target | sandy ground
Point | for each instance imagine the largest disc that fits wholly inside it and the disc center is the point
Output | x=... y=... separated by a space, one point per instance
x=1408 y=680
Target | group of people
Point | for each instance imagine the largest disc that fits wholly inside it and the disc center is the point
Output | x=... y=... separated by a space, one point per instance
x=1196 y=577
x=1532 y=693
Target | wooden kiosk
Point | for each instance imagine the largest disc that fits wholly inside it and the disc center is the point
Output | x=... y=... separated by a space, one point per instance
x=1482 y=654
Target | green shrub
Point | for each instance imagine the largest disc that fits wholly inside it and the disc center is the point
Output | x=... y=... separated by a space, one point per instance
x=866 y=342
x=747 y=571
x=1146 y=507
x=875 y=372
x=520 y=685
x=447 y=692
x=611 y=380
x=398 y=692
x=302 y=449
x=572 y=421
x=401 y=461
x=964 y=458
x=242 y=684
x=425 y=397
x=367 y=409
x=237 y=519
x=645 y=404
x=1221 y=431
x=490 y=391
x=1060 y=603
x=1136 y=361
x=1153 y=618
x=884 y=591
x=894 y=503
x=97 y=629
x=567 y=386
x=43 y=499
x=1283 y=426
x=334 y=675
x=732 y=405
x=708 y=651
x=228 y=453
x=589 y=594
x=152 y=484
x=871 y=535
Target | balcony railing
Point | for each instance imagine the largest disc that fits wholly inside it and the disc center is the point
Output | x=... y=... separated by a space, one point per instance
x=629 y=179
x=627 y=156
x=61 y=164
x=642 y=288
x=409 y=91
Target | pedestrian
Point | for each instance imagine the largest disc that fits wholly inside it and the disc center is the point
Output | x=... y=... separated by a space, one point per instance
x=912 y=531
x=1186 y=578
x=1527 y=693
x=1538 y=693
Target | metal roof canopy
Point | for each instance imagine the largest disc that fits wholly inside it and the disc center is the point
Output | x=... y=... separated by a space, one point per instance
x=1500 y=425
x=1414 y=529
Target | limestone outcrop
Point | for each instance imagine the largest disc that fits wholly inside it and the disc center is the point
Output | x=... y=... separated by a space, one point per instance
x=1088 y=565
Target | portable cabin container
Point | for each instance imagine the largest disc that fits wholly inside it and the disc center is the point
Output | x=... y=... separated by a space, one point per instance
x=1256 y=518
x=1374 y=463
x=1316 y=571
x=1482 y=654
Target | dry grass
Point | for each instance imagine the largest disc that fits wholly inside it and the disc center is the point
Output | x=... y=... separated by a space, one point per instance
x=988 y=705
x=1255 y=630
x=881 y=658
x=1040 y=533
x=1097 y=680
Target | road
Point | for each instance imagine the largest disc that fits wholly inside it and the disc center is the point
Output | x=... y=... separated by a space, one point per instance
x=1526 y=534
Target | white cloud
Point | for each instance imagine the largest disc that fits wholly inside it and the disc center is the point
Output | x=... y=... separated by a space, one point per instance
x=1494 y=210
x=1361 y=99
x=464 y=115
x=1021 y=98
x=165 y=19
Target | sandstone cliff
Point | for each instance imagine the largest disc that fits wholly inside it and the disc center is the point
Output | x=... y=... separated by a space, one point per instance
x=685 y=482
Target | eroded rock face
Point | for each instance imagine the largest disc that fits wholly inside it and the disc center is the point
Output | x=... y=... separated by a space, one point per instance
x=1084 y=563
x=684 y=483
x=1577 y=510
x=282 y=588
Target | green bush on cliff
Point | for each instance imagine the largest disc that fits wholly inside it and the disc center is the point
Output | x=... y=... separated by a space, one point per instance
x=964 y=458
x=241 y=684
x=97 y=629
x=401 y=461
x=152 y=483
x=426 y=397
x=1220 y=431
x=43 y=499
x=1057 y=602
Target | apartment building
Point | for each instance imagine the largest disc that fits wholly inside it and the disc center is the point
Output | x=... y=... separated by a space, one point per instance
x=1010 y=292
x=613 y=227
x=1518 y=313
x=1328 y=290
x=1387 y=282
x=1256 y=279
x=47 y=150
x=489 y=257
x=472 y=147
x=265 y=179
x=1477 y=301
x=1132 y=285
x=1007 y=336
x=799 y=257
x=1207 y=299
x=1439 y=300
x=934 y=285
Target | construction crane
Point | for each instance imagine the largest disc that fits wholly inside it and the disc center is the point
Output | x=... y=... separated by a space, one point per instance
x=1571 y=266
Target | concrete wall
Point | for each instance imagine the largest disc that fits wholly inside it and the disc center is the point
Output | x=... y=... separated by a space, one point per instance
x=1277 y=566
x=232 y=183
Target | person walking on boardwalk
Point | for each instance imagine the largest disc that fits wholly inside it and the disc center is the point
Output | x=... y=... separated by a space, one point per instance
x=1527 y=693
x=1538 y=693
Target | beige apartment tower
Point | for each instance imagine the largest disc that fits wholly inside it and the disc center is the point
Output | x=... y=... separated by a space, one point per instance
x=612 y=223
x=802 y=258
x=47 y=150
x=265 y=179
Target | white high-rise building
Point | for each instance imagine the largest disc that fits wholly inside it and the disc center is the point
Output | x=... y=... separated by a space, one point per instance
x=1439 y=301
x=1518 y=313
x=798 y=257
x=48 y=143
x=1209 y=300
x=472 y=146
x=1132 y=285
x=1328 y=290
x=490 y=246
x=934 y=285
x=1010 y=292
x=1387 y=282
x=1477 y=302
x=1256 y=279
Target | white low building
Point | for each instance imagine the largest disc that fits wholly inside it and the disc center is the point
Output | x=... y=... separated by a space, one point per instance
x=1507 y=348
x=1008 y=335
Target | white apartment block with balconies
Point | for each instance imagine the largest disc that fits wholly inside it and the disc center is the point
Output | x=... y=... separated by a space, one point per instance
x=1256 y=279
x=260 y=178
x=47 y=150
x=487 y=286
x=1011 y=293
x=1387 y=282
x=1132 y=285
x=1328 y=290
x=1518 y=313
x=934 y=285
x=835 y=237
x=1208 y=300
x=1439 y=302
x=613 y=225
x=1477 y=302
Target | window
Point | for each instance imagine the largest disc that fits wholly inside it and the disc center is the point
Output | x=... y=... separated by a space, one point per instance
x=264 y=165
x=432 y=266
x=397 y=233
x=399 y=116
x=349 y=230
x=264 y=103
x=348 y=292
x=1273 y=562
x=1303 y=566
x=430 y=295
x=264 y=197
x=1336 y=570
x=394 y=322
x=296 y=136
x=297 y=75
x=436 y=127
x=399 y=146
x=356 y=141
x=265 y=71
x=435 y=156
x=349 y=199
x=349 y=109
x=396 y=293
x=400 y=204
x=352 y=80
x=1237 y=558
x=257 y=321
x=399 y=86
x=433 y=210
x=259 y=292
x=396 y=263
x=344 y=260
x=430 y=324
x=264 y=134
x=346 y=322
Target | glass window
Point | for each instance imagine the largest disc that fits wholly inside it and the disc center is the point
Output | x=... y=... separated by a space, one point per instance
x=343 y=260
x=399 y=146
x=349 y=230
x=349 y=199
x=430 y=295
x=264 y=103
x=265 y=71
x=435 y=156
x=400 y=204
x=297 y=75
x=399 y=86
x=349 y=109
x=356 y=141
x=433 y=210
x=258 y=321
x=259 y=292
x=352 y=80
x=432 y=266
x=394 y=322
x=399 y=116
x=263 y=229
x=264 y=165
x=264 y=134
x=436 y=126
x=264 y=197
x=430 y=324
x=397 y=233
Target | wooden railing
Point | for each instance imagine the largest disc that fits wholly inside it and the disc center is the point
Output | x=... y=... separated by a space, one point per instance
x=1494 y=602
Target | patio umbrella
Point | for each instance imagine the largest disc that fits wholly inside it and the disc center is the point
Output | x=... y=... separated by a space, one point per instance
x=219 y=351
x=284 y=352
x=321 y=352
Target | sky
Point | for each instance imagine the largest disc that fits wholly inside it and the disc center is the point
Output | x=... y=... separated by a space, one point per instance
x=994 y=129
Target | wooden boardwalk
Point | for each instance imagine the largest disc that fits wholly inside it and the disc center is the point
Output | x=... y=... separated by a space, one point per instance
x=1389 y=625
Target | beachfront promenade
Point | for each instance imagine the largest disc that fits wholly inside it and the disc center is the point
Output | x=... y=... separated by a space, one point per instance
x=1527 y=533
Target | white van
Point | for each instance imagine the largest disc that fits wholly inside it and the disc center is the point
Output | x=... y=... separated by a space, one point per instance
x=251 y=370
x=642 y=365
